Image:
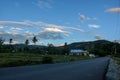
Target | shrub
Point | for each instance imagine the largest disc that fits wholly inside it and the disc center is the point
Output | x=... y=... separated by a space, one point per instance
x=47 y=60
x=72 y=59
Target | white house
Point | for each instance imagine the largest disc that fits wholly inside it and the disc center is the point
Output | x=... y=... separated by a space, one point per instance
x=78 y=52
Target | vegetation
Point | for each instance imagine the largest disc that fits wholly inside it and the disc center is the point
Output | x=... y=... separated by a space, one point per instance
x=34 y=40
x=1 y=40
x=47 y=59
x=99 y=47
x=25 y=54
x=117 y=59
x=20 y=59
x=10 y=41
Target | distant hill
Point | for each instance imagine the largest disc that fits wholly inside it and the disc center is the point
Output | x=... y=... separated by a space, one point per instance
x=29 y=46
x=98 y=47
x=87 y=45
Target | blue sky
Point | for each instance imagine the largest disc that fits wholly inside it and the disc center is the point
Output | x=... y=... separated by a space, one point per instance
x=59 y=21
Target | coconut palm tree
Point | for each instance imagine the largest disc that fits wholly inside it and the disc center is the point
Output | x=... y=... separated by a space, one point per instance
x=26 y=42
x=34 y=40
x=10 y=41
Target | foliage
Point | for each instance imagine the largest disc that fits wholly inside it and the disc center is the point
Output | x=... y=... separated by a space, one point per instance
x=47 y=59
x=10 y=41
x=34 y=40
x=102 y=49
x=65 y=49
x=117 y=59
x=1 y=40
x=26 y=42
x=20 y=59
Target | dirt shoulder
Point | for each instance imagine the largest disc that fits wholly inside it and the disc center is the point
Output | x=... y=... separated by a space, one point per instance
x=113 y=72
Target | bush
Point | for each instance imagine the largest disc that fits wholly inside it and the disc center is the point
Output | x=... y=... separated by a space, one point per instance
x=47 y=60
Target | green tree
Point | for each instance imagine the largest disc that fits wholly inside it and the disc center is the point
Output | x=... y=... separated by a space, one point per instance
x=51 y=49
x=34 y=40
x=66 y=49
x=1 y=40
x=27 y=42
x=10 y=41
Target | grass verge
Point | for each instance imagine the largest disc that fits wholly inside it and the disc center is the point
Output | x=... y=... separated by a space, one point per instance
x=117 y=59
x=20 y=59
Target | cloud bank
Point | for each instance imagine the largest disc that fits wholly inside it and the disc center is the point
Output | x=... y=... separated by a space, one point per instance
x=27 y=29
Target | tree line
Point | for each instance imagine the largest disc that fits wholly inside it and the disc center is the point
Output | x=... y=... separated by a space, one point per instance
x=34 y=39
x=26 y=48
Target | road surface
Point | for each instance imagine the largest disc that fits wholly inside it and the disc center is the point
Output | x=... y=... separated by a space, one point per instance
x=79 y=70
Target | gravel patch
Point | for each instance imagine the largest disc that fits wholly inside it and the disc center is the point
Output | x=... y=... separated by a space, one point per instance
x=113 y=72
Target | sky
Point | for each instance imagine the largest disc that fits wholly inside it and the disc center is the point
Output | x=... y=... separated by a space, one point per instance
x=59 y=21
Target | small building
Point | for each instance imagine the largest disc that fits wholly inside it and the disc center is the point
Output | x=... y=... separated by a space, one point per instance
x=79 y=52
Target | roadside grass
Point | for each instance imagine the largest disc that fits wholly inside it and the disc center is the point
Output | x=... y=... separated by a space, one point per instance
x=21 y=59
x=117 y=59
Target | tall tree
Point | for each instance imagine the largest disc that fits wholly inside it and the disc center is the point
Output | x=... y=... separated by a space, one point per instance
x=10 y=41
x=66 y=50
x=51 y=49
x=26 y=42
x=65 y=45
x=1 y=40
x=34 y=40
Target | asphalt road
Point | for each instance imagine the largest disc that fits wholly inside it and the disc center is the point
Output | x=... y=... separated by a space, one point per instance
x=80 y=70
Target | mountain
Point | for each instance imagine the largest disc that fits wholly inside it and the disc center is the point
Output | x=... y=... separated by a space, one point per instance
x=99 y=47
x=87 y=45
x=29 y=46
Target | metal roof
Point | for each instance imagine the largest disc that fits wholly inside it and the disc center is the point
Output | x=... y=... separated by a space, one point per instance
x=77 y=50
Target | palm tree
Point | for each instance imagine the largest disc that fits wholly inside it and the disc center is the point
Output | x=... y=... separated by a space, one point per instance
x=26 y=42
x=34 y=40
x=10 y=41
x=66 y=50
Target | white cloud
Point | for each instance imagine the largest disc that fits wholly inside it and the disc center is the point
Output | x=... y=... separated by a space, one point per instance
x=93 y=26
x=56 y=30
x=44 y=4
x=116 y=41
x=43 y=30
x=53 y=33
x=39 y=24
x=50 y=35
x=91 y=18
x=83 y=17
x=99 y=37
x=1 y=27
x=15 y=23
x=57 y=45
x=16 y=29
x=14 y=36
x=113 y=10
x=29 y=34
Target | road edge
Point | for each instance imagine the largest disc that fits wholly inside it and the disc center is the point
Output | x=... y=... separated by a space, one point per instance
x=113 y=71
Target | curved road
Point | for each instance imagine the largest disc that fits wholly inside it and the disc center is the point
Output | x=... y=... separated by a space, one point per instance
x=79 y=70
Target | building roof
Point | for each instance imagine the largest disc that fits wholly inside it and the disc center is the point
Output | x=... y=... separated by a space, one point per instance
x=77 y=50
